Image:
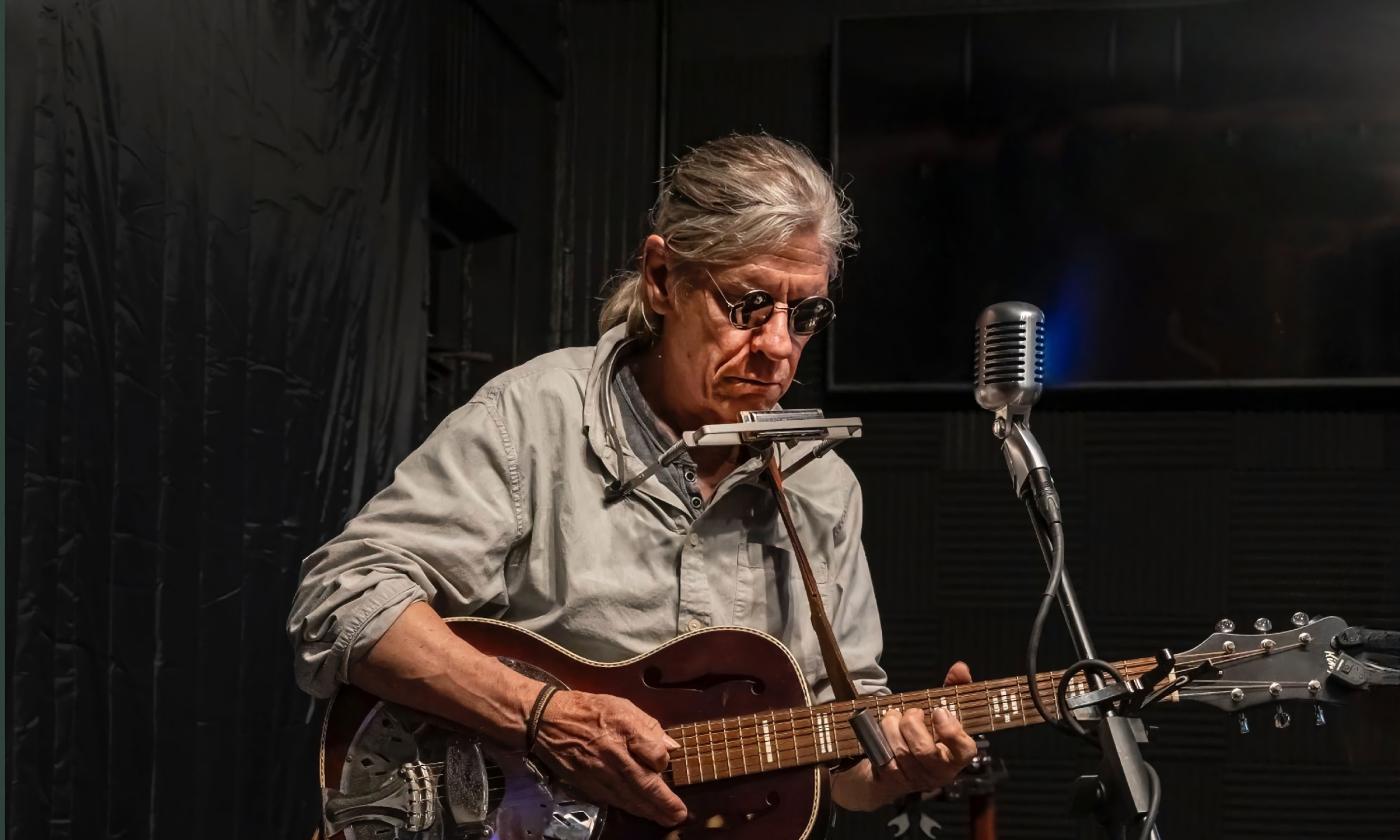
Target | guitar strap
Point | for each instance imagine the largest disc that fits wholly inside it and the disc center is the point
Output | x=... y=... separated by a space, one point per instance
x=836 y=671
x=863 y=722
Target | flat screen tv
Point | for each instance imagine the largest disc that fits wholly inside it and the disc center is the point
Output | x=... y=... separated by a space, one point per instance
x=1205 y=194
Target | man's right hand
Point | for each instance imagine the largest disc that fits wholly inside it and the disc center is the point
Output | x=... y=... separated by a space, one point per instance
x=612 y=752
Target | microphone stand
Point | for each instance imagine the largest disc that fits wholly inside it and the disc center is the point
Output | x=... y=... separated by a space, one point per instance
x=1126 y=790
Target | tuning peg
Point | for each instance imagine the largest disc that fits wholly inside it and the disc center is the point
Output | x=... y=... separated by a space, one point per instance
x=1319 y=719
x=1281 y=718
x=1299 y=619
x=1224 y=625
x=1263 y=625
x=1244 y=724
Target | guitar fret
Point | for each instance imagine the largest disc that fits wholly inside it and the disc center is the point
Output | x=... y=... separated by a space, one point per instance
x=727 y=766
x=767 y=740
x=991 y=713
x=686 y=752
x=1020 y=704
x=675 y=768
x=743 y=747
x=757 y=743
x=714 y=760
x=796 y=749
x=699 y=759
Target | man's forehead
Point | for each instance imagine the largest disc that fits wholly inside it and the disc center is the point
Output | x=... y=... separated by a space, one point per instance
x=789 y=261
x=797 y=254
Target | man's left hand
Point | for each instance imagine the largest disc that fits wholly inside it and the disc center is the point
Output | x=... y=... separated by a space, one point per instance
x=929 y=751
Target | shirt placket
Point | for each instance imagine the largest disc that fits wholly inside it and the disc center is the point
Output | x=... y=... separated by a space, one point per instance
x=695 y=602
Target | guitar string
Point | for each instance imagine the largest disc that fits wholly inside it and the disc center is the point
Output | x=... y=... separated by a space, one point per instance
x=978 y=707
x=974 y=706
x=841 y=736
x=707 y=767
x=976 y=715
x=979 y=713
x=842 y=739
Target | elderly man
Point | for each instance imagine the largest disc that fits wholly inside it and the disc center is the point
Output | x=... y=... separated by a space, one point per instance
x=502 y=511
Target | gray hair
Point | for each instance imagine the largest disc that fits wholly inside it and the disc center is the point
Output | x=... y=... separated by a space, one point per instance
x=731 y=199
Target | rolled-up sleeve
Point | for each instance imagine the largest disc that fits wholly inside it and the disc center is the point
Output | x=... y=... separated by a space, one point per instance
x=857 y=618
x=440 y=532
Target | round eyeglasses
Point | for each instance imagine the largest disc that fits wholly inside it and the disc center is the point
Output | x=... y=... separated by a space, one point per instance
x=806 y=317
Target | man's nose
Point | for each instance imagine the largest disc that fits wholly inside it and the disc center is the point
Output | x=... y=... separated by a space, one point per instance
x=773 y=338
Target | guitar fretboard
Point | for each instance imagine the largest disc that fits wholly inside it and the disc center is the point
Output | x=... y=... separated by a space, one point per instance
x=783 y=738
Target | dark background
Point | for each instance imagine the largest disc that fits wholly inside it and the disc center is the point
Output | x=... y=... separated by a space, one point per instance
x=1202 y=194
x=254 y=250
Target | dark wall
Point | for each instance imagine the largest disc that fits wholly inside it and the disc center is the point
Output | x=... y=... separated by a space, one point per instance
x=544 y=141
x=216 y=268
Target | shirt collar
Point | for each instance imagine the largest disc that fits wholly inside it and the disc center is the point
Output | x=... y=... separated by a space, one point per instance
x=608 y=437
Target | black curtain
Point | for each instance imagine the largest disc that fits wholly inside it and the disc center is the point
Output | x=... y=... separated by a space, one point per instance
x=216 y=266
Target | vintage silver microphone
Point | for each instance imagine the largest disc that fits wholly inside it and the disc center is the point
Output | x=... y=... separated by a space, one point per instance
x=1010 y=362
x=1008 y=376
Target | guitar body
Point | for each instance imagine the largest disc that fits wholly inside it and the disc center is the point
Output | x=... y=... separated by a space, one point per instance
x=389 y=773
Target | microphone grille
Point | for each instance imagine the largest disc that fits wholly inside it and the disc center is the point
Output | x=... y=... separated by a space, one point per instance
x=1001 y=355
x=1009 y=356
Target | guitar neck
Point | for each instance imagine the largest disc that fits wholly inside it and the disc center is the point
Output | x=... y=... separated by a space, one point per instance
x=805 y=735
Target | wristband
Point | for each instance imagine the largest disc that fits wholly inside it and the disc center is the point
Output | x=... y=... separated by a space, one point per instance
x=532 y=726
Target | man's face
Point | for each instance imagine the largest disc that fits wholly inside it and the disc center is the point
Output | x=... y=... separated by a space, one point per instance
x=714 y=370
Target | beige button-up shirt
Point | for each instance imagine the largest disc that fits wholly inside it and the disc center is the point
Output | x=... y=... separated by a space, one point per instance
x=501 y=513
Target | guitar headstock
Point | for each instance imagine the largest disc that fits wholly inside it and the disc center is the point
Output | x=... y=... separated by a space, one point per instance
x=1240 y=670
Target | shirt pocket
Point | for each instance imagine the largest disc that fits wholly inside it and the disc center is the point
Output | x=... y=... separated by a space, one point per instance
x=758 y=554
x=769 y=594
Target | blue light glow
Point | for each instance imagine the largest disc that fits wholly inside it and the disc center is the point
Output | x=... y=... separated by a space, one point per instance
x=1064 y=325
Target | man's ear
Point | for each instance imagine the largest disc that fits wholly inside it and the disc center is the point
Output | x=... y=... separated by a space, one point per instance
x=657 y=280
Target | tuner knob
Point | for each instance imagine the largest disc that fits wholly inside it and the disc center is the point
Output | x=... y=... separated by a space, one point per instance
x=1319 y=719
x=1263 y=625
x=1244 y=724
x=1281 y=718
x=1224 y=625
x=1299 y=619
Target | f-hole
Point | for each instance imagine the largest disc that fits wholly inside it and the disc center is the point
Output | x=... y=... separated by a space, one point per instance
x=653 y=678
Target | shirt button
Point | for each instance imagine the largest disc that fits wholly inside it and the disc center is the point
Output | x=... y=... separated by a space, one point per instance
x=695 y=624
x=696 y=502
x=694 y=540
x=690 y=475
